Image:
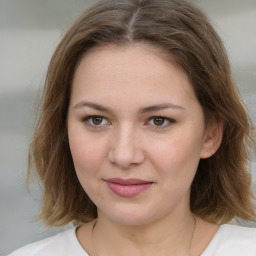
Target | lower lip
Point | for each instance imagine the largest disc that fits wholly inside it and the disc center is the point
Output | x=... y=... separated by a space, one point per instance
x=128 y=190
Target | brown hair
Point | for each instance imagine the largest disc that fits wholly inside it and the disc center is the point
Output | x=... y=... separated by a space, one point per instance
x=221 y=188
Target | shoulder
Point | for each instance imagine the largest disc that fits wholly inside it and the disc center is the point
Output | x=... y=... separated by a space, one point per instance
x=62 y=244
x=233 y=240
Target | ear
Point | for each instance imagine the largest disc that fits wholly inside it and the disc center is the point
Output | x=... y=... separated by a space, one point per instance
x=212 y=137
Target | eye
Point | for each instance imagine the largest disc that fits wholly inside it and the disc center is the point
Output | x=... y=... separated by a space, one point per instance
x=95 y=120
x=160 y=122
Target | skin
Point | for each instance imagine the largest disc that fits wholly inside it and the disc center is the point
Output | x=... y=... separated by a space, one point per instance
x=127 y=88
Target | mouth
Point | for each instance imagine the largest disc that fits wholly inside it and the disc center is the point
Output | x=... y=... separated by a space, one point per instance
x=128 y=187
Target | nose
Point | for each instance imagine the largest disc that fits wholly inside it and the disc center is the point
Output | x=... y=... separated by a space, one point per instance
x=125 y=149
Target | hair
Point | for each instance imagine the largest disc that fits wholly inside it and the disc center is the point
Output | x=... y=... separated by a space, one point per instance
x=221 y=189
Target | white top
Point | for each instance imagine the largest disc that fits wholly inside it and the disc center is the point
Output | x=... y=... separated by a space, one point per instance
x=230 y=240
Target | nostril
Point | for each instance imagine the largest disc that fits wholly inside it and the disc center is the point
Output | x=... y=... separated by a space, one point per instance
x=124 y=149
x=126 y=157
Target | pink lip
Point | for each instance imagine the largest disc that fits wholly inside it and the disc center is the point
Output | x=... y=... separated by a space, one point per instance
x=127 y=187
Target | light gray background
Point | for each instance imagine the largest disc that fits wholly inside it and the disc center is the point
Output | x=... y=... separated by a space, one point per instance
x=29 y=32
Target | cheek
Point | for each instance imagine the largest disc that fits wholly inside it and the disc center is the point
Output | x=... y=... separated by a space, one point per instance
x=87 y=154
x=88 y=158
x=178 y=156
x=179 y=148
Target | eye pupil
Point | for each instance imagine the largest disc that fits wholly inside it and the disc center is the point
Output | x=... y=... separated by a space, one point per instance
x=158 y=121
x=97 y=120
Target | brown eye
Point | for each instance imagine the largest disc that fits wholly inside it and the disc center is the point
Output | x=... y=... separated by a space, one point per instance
x=97 y=120
x=158 y=121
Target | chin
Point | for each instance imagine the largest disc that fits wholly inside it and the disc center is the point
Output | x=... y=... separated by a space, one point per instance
x=130 y=215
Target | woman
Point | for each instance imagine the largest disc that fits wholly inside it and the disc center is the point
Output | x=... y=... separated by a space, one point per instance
x=142 y=140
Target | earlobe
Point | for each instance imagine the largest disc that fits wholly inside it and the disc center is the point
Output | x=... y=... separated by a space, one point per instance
x=213 y=136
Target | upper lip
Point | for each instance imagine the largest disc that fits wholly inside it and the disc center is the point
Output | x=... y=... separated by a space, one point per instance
x=127 y=181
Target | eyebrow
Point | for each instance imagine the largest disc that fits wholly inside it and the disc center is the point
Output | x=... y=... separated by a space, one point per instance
x=160 y=107
x=92 y=105
x=143 y=110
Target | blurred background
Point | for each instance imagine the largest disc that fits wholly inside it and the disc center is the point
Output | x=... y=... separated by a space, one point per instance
x=29 y=32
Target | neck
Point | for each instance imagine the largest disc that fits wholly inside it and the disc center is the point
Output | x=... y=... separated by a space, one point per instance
x=171 y=235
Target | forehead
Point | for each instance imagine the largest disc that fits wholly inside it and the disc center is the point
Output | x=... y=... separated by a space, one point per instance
x=137 y=70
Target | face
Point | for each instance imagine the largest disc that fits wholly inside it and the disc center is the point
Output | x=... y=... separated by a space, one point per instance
x=136 y=133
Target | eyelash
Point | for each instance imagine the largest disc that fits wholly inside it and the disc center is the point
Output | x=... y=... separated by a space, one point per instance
x=165 y=119
x=86 y=120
